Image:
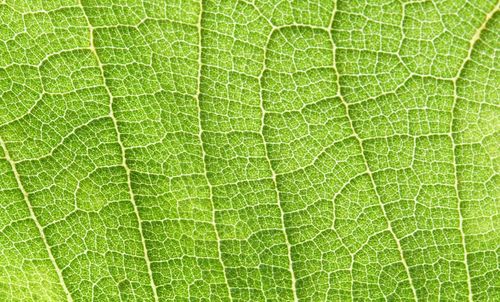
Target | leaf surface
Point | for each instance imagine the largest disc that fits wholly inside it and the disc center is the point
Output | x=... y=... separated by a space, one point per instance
x=249 y=150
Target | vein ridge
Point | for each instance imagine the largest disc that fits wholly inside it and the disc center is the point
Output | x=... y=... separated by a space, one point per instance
x=476 y=37
x=204 y=155
x=35 y=219
x=367 y=167
x=273 y=173
x=122 y=150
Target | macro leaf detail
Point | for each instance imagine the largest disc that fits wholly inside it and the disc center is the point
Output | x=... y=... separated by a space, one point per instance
x=249 y=150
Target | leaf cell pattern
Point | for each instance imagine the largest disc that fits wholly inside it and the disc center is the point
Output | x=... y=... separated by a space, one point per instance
x=249 y=150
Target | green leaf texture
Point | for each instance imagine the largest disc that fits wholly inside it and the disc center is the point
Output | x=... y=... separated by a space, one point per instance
x=249 y=150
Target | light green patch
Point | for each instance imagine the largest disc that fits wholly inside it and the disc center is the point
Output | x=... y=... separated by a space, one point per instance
x=249 y=150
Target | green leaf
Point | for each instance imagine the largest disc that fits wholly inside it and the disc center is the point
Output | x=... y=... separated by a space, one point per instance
x=249 y=150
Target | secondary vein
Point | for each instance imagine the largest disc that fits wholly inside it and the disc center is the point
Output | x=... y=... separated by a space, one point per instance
x=35 y=219
x=200 y=133
x=472 y=43
x=122 y=150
